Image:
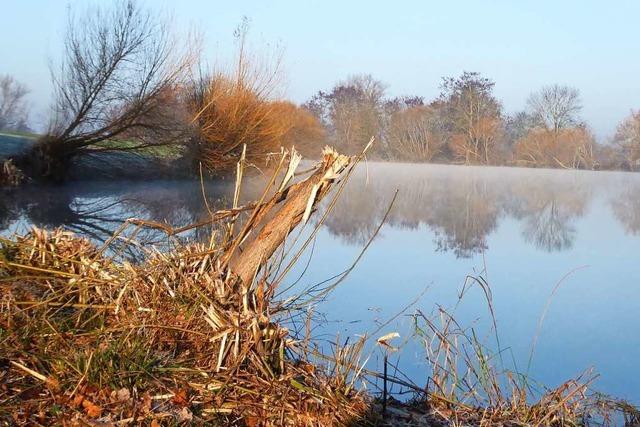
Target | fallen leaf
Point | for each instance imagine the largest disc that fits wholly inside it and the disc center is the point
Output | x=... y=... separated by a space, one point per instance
x=92 y=410
x=180 y=398
x=77 y=400
x=123 y=395
x=252 y=421
x=184 y=415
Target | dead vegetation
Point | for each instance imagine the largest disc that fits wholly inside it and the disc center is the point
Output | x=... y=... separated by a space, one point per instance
x=195 y=335
x=10 y=175
x=186 y=336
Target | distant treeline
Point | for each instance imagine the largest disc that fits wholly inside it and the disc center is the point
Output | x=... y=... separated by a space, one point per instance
x=466 y=124
x=127 y=83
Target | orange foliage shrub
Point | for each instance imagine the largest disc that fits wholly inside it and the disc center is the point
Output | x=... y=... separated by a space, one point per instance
x=627 y=142
x=305 y=132
x=416 y=133
x=480 y=143
x=567 y=148
x=237 y=107
x=235 y=112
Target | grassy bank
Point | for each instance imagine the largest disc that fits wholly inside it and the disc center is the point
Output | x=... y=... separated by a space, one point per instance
x=196 y=335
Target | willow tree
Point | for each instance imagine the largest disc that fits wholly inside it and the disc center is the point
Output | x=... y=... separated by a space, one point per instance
x=119 y=67
x=237 y=109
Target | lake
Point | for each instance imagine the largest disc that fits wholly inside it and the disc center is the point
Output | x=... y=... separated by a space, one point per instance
x=563 y=244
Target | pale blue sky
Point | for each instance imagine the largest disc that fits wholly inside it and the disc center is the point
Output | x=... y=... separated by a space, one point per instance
x=410 y=45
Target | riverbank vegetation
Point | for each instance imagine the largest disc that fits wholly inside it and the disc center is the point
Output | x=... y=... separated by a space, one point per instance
x=239 y=110
x=128 y=84
x=199 y=335
x=119 y=69
x=466 y=124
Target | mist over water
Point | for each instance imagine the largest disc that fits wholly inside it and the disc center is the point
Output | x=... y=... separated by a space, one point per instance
x=564 y=239
x=523 y=230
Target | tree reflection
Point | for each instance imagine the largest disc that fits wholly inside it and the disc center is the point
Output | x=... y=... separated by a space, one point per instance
x=97 y=210
x=461 y=210
x=459 y=206
x=547 y=229
x=548 y=208
x=462 y=206
x=465 y=217
x=626 y=208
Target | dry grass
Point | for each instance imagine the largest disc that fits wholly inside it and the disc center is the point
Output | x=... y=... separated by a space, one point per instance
x=469 y=385
x=177 y=338
x=195 y=335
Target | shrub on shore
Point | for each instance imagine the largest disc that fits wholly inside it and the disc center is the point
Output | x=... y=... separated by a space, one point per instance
x=566 y=148
x=239 y=110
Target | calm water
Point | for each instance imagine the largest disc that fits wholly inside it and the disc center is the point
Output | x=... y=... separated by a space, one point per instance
x=524 y=231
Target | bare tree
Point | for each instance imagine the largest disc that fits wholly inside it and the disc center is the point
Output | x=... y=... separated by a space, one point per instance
x=416 y=133
x=353 y=112
x=556 y=107
x=13 y=105
x=516 y=126
x=118 y=67
x=627 y=140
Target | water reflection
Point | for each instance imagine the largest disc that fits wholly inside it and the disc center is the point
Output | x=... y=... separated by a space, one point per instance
x=96 y=210
x=460 y=209
x=626 y=207
x=548 y=206
x=461 y=206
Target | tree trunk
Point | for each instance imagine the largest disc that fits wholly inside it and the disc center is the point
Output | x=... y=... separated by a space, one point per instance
x=294 y=202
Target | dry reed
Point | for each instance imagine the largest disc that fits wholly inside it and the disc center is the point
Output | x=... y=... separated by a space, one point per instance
x=178 y=338
x=195 y=335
